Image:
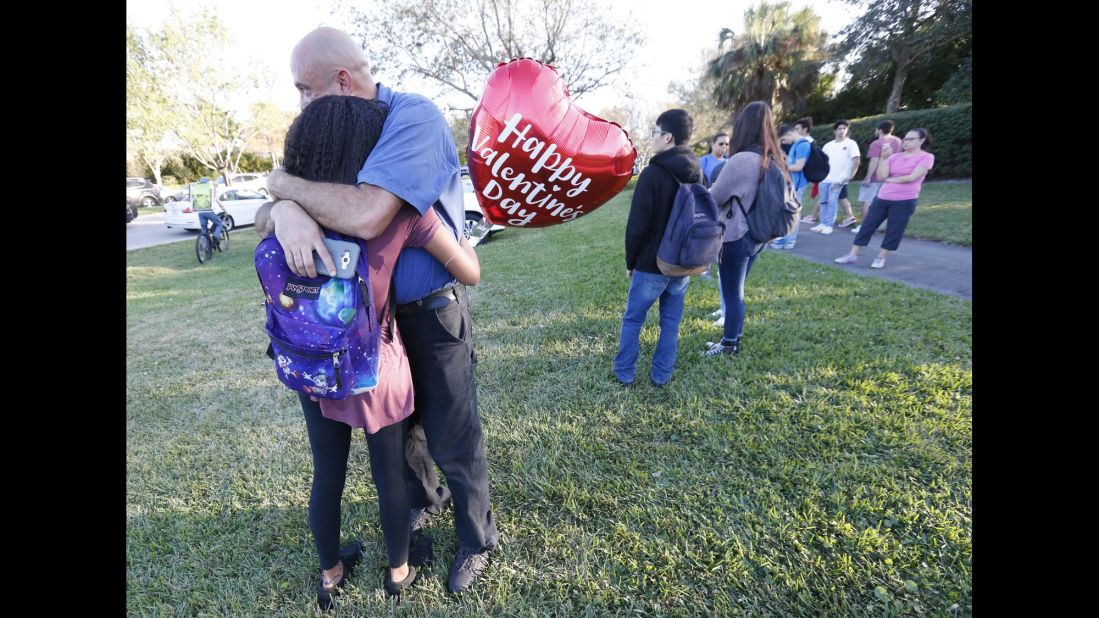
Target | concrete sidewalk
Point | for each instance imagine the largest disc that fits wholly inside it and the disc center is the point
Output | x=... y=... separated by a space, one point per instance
x=947 y=269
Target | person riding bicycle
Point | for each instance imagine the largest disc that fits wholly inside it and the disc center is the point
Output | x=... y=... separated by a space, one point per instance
x=203 y=198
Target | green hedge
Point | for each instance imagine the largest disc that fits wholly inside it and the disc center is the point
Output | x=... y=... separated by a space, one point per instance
x=951 y=133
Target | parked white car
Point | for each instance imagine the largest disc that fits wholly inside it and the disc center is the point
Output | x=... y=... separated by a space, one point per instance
x=254 y=182
x=474 y=214
x=240 y=207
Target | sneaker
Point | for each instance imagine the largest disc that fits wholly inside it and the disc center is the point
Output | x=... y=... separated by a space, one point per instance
x=722 y=347
x=826 y=230
x=418 y=518
x=717 y=314
x=777 y=246
x=469 y=566
x=879 y=262
x=808 y=219
x=846 y=222
x=620 y=382
x=719 y=322
x=855 y=230
x=846 y=259
x=789 y=246
x=816 y=228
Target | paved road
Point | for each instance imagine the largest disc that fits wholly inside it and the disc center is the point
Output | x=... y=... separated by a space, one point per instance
x=947 y=269
x=148 y=230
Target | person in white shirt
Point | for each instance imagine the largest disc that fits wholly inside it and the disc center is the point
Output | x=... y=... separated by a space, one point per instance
x=843 y=161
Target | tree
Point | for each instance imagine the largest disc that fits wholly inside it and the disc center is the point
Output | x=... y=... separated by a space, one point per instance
x=776 y=60
x=269 y=125
x=959 y=88
x=695 y=95
x=179 y=78
x=457 y=43
x=150 y=120
x=637 y=118
x=459 y=127
x=904 y=33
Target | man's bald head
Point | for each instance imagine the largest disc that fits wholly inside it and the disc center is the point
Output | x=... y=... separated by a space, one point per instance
x=326 y=61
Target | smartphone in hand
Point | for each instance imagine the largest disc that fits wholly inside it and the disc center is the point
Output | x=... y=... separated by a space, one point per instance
x=345 y=254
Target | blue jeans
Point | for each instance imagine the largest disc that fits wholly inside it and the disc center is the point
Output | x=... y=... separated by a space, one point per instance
x=829 y=202
x=791 y=238
x=645 y=289
x=737 y=258
x=208 y=215
x=720 y=296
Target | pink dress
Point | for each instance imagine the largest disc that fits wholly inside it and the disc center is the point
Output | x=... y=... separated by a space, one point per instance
x=391 y=401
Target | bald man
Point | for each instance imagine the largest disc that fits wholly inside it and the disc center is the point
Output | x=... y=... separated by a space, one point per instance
x=414 y=162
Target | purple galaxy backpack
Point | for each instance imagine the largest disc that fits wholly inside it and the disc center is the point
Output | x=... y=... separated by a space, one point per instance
x=324 y=331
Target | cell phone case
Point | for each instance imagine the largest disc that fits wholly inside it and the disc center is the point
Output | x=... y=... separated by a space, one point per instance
x=345 y=254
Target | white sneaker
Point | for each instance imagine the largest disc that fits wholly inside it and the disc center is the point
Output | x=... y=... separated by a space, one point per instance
x=816 y=228
x=879 y=262
x=826 y=230
x=808 y=219
x=717 y=314
x=855 y=230
x=846 y=259
x=719 y=322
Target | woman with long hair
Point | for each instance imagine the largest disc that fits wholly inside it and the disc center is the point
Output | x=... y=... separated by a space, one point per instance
x=754 y=147
x=902 y=176
x=328 y=142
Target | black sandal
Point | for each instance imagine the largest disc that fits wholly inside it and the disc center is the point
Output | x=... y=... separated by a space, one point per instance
x=393 y=588
x=349 y=556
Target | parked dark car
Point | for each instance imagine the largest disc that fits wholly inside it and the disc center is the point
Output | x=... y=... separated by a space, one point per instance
x=141 y=192
x=131 y=212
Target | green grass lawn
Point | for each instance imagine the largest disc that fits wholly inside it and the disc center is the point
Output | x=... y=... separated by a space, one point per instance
x=944 y=212
x=827 y=470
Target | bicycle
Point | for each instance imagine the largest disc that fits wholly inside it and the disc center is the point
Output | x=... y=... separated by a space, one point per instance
x=205 y=244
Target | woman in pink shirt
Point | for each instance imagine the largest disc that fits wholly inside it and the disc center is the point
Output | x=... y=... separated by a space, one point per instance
x=328 y=142
x=902 y=174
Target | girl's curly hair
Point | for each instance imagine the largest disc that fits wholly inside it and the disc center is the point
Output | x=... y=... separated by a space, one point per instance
x=332 y=137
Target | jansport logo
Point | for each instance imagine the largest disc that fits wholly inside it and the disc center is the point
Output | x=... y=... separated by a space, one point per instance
x=301 y=288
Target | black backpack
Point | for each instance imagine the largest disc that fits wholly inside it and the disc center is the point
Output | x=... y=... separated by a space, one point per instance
x=693 y=236
x=775 y=211
x=816 y=166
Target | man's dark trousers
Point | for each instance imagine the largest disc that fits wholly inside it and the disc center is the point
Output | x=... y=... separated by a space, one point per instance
x=445 y=426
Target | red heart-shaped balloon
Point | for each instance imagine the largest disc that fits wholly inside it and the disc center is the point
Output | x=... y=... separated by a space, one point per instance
x=536 y=159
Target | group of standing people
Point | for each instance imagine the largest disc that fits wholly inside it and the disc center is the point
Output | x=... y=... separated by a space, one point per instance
x=889 y=192
x=370 y=162
x=754 y=146
x=367 y=161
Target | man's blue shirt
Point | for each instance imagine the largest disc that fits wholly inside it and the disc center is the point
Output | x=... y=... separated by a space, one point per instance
x=709 y=162
x=800 y=150
x=416 y=160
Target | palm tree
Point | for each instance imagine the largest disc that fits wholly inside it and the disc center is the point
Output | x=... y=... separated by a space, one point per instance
x=777 y=59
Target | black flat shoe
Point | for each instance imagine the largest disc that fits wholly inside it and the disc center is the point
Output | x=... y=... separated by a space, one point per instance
x=393 y=588
x=349 y=556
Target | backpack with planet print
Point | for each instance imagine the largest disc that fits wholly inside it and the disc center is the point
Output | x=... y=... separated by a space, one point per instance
x=324 y=330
